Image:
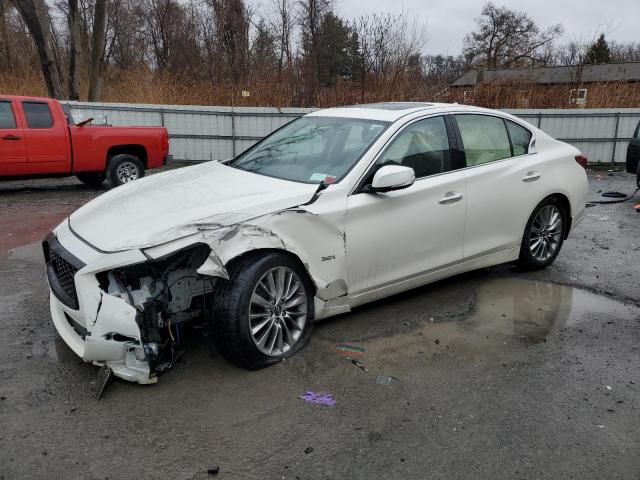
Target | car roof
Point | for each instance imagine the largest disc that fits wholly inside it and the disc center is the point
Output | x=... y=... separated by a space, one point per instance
x=392 y=111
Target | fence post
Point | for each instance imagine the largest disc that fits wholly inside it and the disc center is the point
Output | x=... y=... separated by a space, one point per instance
x=162 y=117
x=233 y=132
x=539 y=119
x=615 y=139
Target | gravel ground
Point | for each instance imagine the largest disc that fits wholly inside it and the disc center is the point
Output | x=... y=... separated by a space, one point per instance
x=495 y=374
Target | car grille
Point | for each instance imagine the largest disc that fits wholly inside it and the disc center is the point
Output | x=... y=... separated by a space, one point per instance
x=62 y=267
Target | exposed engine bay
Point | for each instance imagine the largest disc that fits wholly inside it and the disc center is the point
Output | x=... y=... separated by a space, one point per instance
x=166 y=293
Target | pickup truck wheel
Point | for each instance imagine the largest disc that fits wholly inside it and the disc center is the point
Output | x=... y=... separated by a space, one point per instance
x=92 y=179
x=264 y=312
x=123 y=169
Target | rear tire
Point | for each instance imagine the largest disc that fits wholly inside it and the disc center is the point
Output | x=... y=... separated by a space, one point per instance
x=92 y=179
x=124 y=168
x=544 y=235
x=252 y=334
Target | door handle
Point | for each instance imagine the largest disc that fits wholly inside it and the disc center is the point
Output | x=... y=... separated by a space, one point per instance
x=10 y=137
x=531 y=177
x=450 y=197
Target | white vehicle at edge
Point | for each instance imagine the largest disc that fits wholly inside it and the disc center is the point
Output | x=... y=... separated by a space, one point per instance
x=336 y=209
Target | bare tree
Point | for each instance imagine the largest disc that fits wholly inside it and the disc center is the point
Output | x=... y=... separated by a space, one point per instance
x=97 y=49
x=507 y=38
x=34 y=14
x=73 y=23
x=283 y=25
x=311 y=14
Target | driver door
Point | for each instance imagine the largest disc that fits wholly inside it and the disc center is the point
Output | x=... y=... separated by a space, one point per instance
x=393 y=238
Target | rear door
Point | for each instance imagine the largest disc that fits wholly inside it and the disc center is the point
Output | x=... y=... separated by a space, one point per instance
x=504 y=182
x=47 y=139
x=633 y=152
x=13 y=152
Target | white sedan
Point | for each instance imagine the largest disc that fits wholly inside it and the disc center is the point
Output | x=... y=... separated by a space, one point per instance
x=335 y=209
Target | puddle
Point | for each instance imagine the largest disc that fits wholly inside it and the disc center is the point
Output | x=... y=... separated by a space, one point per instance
x=474 y=316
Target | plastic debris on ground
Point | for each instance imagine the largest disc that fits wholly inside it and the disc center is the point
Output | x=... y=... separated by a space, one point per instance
x=308 y=450
x=350 y=350
x=614 y=195
x=213 y=470
x=321 y=398
x=384 y=380
x=104 y=377
x=358 y=364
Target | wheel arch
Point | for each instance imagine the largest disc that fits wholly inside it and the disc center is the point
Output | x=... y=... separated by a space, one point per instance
x=136 y=150
x=260 y=252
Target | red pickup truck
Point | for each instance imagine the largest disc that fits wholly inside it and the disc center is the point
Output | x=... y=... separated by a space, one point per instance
x=38 y=138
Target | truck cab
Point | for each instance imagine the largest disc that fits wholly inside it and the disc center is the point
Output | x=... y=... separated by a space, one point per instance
x=39 y=139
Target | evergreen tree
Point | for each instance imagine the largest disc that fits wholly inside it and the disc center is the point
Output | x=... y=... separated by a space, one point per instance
x=599 y=52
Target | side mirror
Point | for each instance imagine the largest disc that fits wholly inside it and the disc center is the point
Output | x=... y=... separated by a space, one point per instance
x=392 y=177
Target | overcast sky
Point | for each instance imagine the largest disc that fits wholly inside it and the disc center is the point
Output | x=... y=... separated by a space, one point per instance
x=447 y=21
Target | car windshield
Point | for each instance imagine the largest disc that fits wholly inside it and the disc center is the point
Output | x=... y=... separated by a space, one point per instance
x=311 y=149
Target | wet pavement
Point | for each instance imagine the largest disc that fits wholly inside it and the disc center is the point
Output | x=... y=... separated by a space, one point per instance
x=494 y=374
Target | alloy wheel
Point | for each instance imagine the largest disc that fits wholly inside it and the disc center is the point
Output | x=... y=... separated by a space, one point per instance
x=278 y=311
x=546 y=233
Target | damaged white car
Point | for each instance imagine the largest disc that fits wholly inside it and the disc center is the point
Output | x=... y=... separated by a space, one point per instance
x=335 y=209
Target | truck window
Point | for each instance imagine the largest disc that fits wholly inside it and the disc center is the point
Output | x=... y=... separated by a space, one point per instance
x=7 y=120
x=37 y=114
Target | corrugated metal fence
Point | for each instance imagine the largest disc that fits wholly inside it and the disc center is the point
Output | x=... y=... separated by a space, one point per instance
x=200 y=133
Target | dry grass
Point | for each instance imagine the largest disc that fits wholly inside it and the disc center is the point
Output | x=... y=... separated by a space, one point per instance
x=144 y=86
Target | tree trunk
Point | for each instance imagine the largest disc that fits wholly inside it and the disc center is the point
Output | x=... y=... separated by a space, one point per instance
x=32 y=12
x=97 y=50
x=73 y=19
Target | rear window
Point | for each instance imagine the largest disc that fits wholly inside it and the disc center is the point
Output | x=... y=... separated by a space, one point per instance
x=520 y=138
x=7 y=120
x=37 y=114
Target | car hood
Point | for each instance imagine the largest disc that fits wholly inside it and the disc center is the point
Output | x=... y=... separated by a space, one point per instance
x=170 y=205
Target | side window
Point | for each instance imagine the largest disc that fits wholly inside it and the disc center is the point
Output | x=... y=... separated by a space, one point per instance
x=7 y=120
x=520 y=138
x=484 y=138
x=37 y=114
x=423 y=146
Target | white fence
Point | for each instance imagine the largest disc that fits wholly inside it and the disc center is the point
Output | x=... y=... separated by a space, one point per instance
x=200 y=133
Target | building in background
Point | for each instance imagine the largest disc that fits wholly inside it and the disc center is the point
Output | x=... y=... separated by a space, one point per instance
x=575 y=86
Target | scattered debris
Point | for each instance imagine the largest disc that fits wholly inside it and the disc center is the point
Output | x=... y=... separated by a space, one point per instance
x=213 y=470
x=358 y=364
x=308 y=450
x=609 y=387
x=350 y=350
x=406 y=323
x=437 y=341
x=385 y=379
x=614 y=195
x=104 y=375
x=320 y=398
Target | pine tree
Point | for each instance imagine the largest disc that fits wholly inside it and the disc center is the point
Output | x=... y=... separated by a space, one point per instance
x=599 y=52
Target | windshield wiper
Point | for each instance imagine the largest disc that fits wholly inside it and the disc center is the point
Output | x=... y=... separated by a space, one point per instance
x=322 y=186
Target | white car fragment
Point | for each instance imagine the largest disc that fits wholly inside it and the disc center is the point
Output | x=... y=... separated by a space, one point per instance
x=336 y=209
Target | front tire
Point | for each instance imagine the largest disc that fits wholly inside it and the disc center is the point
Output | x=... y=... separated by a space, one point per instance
x=124 y=168
x=92 y=179
x=544 y=235
x=264 y=312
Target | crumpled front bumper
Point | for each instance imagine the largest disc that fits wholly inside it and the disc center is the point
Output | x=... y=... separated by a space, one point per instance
x=103 y=328
x=125 y=356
